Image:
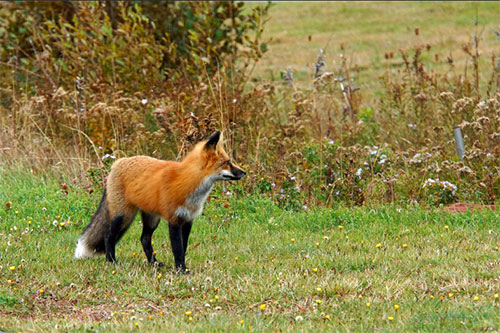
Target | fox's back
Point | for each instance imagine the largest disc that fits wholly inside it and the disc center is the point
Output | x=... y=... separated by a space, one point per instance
x=137 y=181
x=136 y=166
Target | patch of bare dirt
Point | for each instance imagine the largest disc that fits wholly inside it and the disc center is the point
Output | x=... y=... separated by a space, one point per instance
x=462 y=207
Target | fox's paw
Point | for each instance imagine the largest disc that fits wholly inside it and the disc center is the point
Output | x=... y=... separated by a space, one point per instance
x=157 y=264
x=182 y=270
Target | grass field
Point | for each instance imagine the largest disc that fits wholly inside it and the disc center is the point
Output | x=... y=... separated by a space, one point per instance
x=370 y=29
x=254 y=267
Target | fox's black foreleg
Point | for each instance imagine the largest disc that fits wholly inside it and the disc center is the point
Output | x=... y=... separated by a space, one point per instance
x=149 y=222
x=177 y=247
x=186 y=230
x=112 y=237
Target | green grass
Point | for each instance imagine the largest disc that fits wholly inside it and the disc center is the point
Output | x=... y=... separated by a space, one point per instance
x=244 y=256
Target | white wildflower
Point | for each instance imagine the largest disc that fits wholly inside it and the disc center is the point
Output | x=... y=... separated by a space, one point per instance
x=444 y=184
x=108 y=156
x=449 y=186
x=429 y=181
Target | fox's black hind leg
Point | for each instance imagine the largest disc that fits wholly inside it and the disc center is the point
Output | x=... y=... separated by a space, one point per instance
x=112 y=236
x=149 y=222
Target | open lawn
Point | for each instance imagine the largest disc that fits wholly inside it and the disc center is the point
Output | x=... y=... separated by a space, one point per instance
x=254 y=266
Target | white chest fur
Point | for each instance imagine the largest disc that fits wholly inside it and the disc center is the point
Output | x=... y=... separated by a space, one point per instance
x=193 y=206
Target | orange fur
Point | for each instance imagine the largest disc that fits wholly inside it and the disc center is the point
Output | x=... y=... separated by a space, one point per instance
x=157 y=186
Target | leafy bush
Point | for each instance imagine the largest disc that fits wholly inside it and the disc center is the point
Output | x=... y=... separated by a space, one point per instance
x=128 y=44
x=110 y=72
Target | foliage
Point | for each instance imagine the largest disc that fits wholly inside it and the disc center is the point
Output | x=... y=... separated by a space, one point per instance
x=114 y=80
x=129 y=45
x=101 y=72
x=200 y=35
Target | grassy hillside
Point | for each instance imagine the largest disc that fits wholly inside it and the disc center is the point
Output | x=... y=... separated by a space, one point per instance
x=254 y=267
x=370 y=29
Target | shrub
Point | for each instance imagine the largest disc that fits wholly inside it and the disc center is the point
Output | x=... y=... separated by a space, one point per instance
x=122 y=75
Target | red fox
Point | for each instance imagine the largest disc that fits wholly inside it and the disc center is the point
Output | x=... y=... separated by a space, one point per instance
x=175 y=191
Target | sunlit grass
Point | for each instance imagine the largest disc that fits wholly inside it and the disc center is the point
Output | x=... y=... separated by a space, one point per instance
x=356 y=269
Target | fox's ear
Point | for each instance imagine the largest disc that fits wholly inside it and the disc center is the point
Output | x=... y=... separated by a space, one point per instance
x=213 y=140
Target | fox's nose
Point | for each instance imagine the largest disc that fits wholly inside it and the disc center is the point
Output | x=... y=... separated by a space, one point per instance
x=239 y=173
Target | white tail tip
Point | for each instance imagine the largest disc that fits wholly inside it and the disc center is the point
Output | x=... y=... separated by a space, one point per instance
x=82 y=251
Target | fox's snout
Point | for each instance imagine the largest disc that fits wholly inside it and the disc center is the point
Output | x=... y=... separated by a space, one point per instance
x=238 y=173
x=233 y=173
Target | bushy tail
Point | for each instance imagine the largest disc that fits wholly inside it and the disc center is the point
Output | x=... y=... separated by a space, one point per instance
x=91 y=240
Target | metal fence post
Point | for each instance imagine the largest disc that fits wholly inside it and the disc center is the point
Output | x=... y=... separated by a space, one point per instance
x=459 y=142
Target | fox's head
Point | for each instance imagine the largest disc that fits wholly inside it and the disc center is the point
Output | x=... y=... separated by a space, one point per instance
x=216 y=161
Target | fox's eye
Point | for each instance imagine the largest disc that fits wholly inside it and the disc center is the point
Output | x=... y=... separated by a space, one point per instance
x=226 y=163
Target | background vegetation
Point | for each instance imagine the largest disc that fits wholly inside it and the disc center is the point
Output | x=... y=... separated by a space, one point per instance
x=106 y=78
